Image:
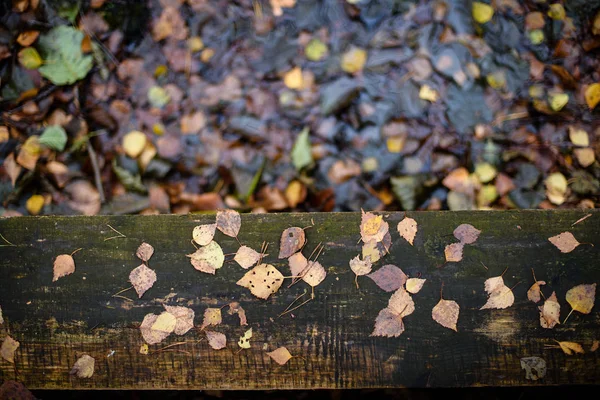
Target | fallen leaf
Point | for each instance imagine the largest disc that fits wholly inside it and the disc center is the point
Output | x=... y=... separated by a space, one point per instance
x=292 y=240
x=595 y=345
x=482 y=12
x=371 y=249
x=281 y=355
x=204 y=234
x=262 y=280
x=83 y=367
x=428 y=93
x=142 y=278
x=235 y=308
x=246 y=257
x=212 y=317
x=216 y=340
x=414 y=285
x=501 y=296
x=533 y=293
x=192 y=123
x=388 y=324
x=585 y=157
x=244 y=341
x=401 y=303
x=579 y=137
x=565 y=242
x=360 y=267
x=315 y=274
x=301 y=151
x=372 y=227
x=446 y=313
x=550 y=312
x=158 y=96
x=150 y=335
x=293 y=78
x=556 y=188
x=229 y=222
x=9 y=346
x=389 y=278
x=165 y=322
x=454 y=252
x=26 y=38
x=557 y=12
x=134 y=143
x=184 y=318
x=144 y=348
x=353 y=60
x=315 y=50
x=570 y=347
x=582 y=297
x=558 y=101
x=34 y=204
x=297 y=264
x=408 y=229
x=535 y=367
x=29 y=153
x=208 y=259
x=63 y=265
x=592 y=95
x=467 y=234
x=144 y=252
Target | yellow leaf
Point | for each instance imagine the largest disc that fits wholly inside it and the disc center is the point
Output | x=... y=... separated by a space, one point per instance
x=592 y=95
x=558 y=101
x=570 y=347
x=428 y=93
x=30 y=152
x=30 y=58
x=485 y=172
x=134 y=143
x=585 y=157
x=208 y=259
x=164 y=323
x=497 y=80
x=556 y=188
x=581 y=298
x=144 y=348
x=315 y=50
x=244 y=341
x=34 y=204
x=371 y=250
x=536 y=36
x=482 y=12
x=395 y=144
x=353 y=60
x=579 y=137
x=206 y=55
x=195 y=44
x=414 y=285
x=212 y=317
x=557 y=11
x=293 y=78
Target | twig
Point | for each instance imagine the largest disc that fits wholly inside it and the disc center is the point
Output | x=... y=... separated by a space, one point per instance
x=96 y=168
x=581 y=219
x=116 y=231
x=572 y=309
x=6 y=245
x=486 y=268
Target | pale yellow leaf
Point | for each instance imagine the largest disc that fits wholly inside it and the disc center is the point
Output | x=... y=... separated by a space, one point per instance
x=84 y=367
x=414 y=285
x=408 y=229
x=204 y=234
x=63 y=265
x=579 y=137
x=482 y=12
x=212 y=317
x=582 y=297
x=244 y=341
x=165 y=322
x=262 y=280
x=446 y=313
x=501 y=296
x=208 y=258
x=134 y=143
x=550 y=312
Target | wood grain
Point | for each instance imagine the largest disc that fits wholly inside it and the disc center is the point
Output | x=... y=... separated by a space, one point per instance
x=56 y=322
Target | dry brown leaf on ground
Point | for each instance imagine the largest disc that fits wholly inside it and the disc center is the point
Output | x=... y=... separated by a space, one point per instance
x=9 y=346
x=204 y=234
x=565 y=242
x=414 y=285
x=281 y=355
x=446 y=313
x=570 y=347
x=408 y=229
x=454 y=252
x=64 y=265
x=535 y=367
x=401 y=303
x=246 y=257
x=236 y=308
x=595 y=346
x=262 y=280
x=184 y=318
x=212 y=317
x=169 y=24
x=216 y=340
x=144 y=252
x=84 y=367
x=501 y=296
x=244 y=341
x=315 y=274
x=534 y=291
x=142 y=278
x=229 y=222
x=292 y=240
x=550 y=312
x=372 y=227
x=389 y=278
x=208 y=258
x=466 y=234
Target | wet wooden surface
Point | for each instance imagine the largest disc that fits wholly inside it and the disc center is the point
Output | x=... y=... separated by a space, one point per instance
x=56 y=322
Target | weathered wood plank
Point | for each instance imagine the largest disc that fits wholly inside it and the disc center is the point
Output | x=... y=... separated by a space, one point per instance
x=56 y=322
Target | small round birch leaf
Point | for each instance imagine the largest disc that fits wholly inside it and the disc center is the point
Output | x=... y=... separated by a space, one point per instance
x=565 y=242
x=262 y=280
x=446 y=313
x=581 y=298
x=467 y=234
x=229 y=222
x=361 y=267
x=142 y=278
x=501 y=296
x=144 y=252
x=164 y=323
x=150 y=335
x=371 y=249
x=244 y=341
x=550 y=312
x=408 y=229
x=297 y=263
x=389 y=278
x=63 y=265
x=212 y=317
x=216 y=340
x=533 y=293
x=401 y=303
x=414 y=285
x=570 y=347
x=9 y=346
x=535 y=367
x=388 y=324
x=292 y=240
x=235 y=308
x=454 y=252
x=373 y=227
x=184 y=317
x=83 y=367
x=494 y=284
x=204 y=234
x=281 y=355
x=208 y=258
x=246 y=257
x=315 y=274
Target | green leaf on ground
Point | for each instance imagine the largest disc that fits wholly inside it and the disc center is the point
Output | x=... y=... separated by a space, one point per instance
x=301 y=153
x=54 y=137
x=64 y=62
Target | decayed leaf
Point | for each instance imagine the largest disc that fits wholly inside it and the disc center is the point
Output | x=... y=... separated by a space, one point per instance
x=401 y=303
x=533 y=293
x=165 y=322
x=208 y=258
x=212 y=317
x=581 y=298
x=292 y=240
x=408 y=229
x=9 y=346
x=144 y=348
x=501 y=296
x=371 y=249
x=446 y=313
x=144 y=252
x=83 y=367
x=204 y=234
x=565 y=242
x=216 y=340
x=373 y=227
x=244 y=341
x=570 y=347
x=63 y=265
x=184 y=318
x=229 y=222
x=281 y=355
x=414 y=285
x=150 y=335
x=315 y=274
x=467 y=234
x=389 y=278
x=142 y=278
x=550 y=312
x=535 y=367
x=454 y=252
x=262 y=280
x=235 y=308
x=388 y=324
x=361 y=267
x=246 y=257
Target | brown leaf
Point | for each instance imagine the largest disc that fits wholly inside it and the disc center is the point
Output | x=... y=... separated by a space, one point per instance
x=204 y=234
x=565 y=242
x=246 y=257
x=26 y=38
x=401 y=303
x=192 y=123
x=342 y=170
x=170 y=24
x=281 y=355
x=184 y=318
x=454 y=252
x=414 y=285
x=262 y=280
x=216 y=340
x=212 y=317
x=229 y=222
x=292 y=240
x=570 y=347
x=63 y=265
x=142 y=278
x=446 y=313
x=83 y=367
x=388 y=324
x=389 y=278
x=84 y=197
x=208 y=258
x=144 y=252
x=582 y=297
x=535 y=367
x=533 y=293
x=373 y=227
x=9 y=346
x=408 y=229
x=361 y=267
x=501 y=296
x=550 y=312
x=235 y=308
x=13 y=170
x=467 y=234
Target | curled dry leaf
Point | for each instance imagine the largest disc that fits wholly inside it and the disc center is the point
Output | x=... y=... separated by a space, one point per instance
x=581 y=298
x=216 y=340
x=246 y=257
x=84 y=367
x=389 y=278
x=361 y=267
x=570 y=347
x=150 y=335
x=229 y=222
x=281 y=355
x=292 y=240
x=414 y=285
x=373 y=227
x=408 y=229
x=534 y=291
x=565 y=242
x=235 y=308
x=262 y=280
x=535 y=367
x=550 y=312
x=63 y=265
x=244 y=341
x=446 y=313
x=208 y=258
x=9 y=346
x=204 y=234
x=184 y=318
x=144 y=252
x=142 y=278
x=501 y=296
x=467 y=234
x=212 y=317
x=454 y=252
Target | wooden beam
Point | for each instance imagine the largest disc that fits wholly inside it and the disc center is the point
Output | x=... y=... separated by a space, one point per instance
x=56 y=322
